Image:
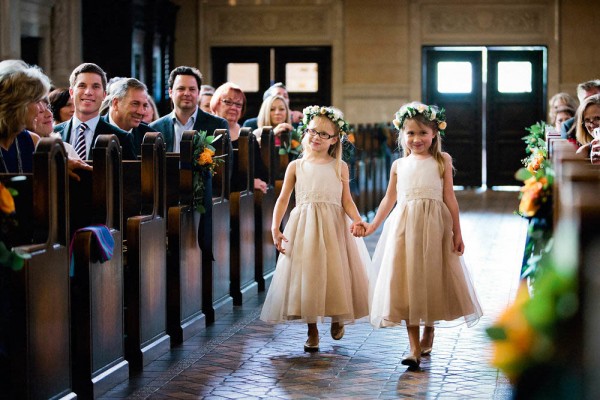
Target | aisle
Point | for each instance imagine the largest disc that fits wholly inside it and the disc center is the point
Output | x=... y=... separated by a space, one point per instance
x=242 y=357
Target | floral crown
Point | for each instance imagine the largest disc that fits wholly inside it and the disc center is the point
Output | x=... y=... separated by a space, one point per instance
x=432 y=113
x=333 y=114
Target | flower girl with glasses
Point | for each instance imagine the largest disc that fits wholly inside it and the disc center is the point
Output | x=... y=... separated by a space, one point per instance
x=421 y=277
x=321 y=271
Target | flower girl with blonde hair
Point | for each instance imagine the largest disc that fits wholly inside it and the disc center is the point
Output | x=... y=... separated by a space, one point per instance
x=421 y=277
x=321 y=271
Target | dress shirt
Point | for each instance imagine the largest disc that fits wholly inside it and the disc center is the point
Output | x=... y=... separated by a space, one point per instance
x=179 y=128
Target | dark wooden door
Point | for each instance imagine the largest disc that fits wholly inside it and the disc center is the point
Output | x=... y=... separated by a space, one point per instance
x=463 y=137
x=511 y=109
x=273 y=64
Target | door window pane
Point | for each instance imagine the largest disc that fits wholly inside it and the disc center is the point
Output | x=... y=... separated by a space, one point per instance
x=302 y=77
x=454 y=77
x=514 y=77
x=245 y=75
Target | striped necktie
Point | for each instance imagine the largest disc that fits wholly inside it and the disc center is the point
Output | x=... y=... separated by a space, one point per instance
x=80 y=146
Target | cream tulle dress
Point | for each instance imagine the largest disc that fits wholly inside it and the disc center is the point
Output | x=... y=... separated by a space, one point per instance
x=323 y=273
x=417 y=276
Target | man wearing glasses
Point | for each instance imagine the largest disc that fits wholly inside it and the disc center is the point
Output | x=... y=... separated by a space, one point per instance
x=184 y=90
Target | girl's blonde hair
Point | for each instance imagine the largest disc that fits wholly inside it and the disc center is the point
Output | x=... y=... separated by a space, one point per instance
x=423 y=115
x=581 y=133
x=335 y=150
x=264 y=115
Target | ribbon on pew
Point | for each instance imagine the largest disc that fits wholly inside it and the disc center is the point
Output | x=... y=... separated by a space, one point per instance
x=104 y=249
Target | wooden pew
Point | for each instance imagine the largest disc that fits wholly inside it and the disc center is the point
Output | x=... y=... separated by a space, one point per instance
x=184 y=258
x=243 y=281
x=97 y=287
x=263 y=214
x=146 y=254
x=216 y=261
x=39 y=352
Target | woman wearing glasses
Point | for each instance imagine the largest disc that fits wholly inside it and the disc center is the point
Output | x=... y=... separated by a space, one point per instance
x=588 y=119
x=229 y=102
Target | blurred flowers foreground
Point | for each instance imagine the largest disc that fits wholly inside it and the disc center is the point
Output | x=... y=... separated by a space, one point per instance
x=535 y=339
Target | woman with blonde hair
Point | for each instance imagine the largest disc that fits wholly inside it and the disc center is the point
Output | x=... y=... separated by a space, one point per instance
x=588 y=119
x=275 y=112
x=22 y=89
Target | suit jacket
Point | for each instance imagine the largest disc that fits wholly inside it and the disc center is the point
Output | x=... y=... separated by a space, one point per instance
x=137 y=134
x=103 y=128
x=204 y=122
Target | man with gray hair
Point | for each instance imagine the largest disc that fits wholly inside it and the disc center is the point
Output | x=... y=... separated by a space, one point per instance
x=128 y=105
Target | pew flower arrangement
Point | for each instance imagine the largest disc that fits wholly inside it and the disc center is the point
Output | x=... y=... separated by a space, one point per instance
x=8 y=222
x=205 y=164
x=295 y=145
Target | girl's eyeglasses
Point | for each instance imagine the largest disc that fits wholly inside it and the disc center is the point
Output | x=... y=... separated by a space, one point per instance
x=322 y=135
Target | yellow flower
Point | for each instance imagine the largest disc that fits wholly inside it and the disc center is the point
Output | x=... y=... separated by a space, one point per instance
x=206 y=157
x=7 y=203
x=351 y=138
x=442 y=125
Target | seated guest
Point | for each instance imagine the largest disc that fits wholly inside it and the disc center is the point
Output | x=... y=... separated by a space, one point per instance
x=584 y=90
x=129 y=105
x=88 y=90
x=184 y=90
x=45 y=127
x=22 y=87
x=61 y=105
x=229 y=102
x=275 y=112
x=206 y=93
x=560 y=100
x=276 y=89
x=562 y=114
x=152 y=113
x=588 y=119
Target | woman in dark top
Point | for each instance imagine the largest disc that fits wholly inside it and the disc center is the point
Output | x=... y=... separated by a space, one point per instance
x=22 y=88
x=229 y=102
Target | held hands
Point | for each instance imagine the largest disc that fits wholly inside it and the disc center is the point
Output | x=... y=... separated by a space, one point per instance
x=278 y=240
x=360 y=229
x=296 y=116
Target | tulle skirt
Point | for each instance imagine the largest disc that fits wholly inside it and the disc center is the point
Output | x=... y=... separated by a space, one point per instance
x=323 y=273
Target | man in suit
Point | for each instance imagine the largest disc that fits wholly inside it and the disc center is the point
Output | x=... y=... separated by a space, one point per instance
x=184 y=90
x=88 y=89
x=129 y=104
x=584 y=90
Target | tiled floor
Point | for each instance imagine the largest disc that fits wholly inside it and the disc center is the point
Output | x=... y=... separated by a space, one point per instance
x=240 y=357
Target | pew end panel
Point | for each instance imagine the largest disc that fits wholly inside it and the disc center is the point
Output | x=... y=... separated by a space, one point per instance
x=39 y=342
x=216 y=223
x=184 y=258
x=243 y=283
x=146 y=255
x=264 y=203
x=97 y=287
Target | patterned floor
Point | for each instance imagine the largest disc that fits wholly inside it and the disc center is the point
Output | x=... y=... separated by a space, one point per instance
x=240 y=357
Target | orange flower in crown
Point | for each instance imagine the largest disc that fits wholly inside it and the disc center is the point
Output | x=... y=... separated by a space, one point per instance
x=7 y=203
x=205 y=157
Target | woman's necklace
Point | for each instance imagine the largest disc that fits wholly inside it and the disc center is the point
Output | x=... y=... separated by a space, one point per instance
x=19 y=162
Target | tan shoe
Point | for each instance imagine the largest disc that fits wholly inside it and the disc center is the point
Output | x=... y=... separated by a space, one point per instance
x=337 y=330
x=312 y=344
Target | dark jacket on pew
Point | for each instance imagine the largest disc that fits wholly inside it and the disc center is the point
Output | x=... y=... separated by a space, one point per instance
x=103 y=128
x=136 y=133
x=204 y=122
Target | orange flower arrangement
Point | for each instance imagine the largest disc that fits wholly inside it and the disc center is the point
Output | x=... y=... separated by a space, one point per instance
x=7 y=203
x=205 y=164
x=9 y=257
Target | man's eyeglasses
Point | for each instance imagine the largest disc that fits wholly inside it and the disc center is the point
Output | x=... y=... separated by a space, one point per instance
x=595 y=121
x=322 y=135
x=230 y=103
